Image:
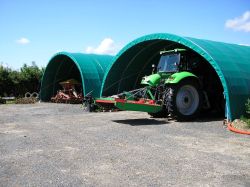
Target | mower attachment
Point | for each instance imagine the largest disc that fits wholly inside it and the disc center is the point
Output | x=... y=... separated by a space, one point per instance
x=143 y=105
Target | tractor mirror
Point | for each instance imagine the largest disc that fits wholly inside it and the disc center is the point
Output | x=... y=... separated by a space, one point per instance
x=153 y=70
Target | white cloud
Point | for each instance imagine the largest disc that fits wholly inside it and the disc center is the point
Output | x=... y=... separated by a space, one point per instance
x=241 y=23
x=107 y=46
x=23 y=41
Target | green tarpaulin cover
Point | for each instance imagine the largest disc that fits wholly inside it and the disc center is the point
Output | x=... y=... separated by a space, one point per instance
x=87 y=69
x=230 y=61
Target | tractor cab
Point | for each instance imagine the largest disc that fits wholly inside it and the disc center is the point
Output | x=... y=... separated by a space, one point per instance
x=172 y=61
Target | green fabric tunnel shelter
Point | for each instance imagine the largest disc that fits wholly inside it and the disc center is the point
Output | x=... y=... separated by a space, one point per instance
x=88 y=69
x=231 y=62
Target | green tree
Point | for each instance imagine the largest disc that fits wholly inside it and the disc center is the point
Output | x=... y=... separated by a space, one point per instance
x=5 y=82
x=17 y=83
x=31 y=77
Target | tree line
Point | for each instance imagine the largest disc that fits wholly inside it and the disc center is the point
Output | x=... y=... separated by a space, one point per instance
x=17 y=82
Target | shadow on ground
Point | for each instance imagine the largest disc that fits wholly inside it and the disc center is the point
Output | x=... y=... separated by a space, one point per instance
x=210 y=116
x=203 y=117
x=141 y=122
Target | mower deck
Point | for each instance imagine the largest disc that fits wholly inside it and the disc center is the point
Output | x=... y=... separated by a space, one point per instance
x=143 y=105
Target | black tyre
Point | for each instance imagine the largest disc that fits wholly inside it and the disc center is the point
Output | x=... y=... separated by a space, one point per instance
x=90 y=107
x=184 y=100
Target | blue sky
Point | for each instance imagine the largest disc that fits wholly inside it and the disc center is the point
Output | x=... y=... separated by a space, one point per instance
x=34 y=30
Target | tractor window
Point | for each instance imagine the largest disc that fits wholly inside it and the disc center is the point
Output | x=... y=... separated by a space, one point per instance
x=169 y=63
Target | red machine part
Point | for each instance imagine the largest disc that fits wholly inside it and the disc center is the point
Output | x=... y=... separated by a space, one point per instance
x=68 y=94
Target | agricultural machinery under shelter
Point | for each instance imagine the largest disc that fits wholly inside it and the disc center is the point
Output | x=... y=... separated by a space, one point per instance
x=69 y=93
x=174 y=88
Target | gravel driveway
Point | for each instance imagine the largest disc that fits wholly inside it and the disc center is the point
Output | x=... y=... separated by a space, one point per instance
x=60 y=145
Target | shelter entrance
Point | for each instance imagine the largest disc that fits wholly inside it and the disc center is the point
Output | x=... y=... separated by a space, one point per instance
x=63 y=76
x=136 y=62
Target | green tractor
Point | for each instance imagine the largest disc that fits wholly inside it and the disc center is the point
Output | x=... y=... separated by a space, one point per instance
x=172 y=89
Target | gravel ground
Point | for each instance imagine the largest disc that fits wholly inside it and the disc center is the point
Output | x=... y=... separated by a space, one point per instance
x=60 y=145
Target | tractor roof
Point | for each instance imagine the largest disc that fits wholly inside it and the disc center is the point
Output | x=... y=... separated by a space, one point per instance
x=177 y=50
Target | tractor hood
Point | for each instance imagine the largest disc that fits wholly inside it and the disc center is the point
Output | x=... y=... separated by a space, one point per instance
x=151 y=80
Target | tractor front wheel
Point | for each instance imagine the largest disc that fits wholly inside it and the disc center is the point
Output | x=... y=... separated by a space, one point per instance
x=184 y=100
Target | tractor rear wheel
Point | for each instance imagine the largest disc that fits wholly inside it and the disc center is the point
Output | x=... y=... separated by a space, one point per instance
x=184 y=100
